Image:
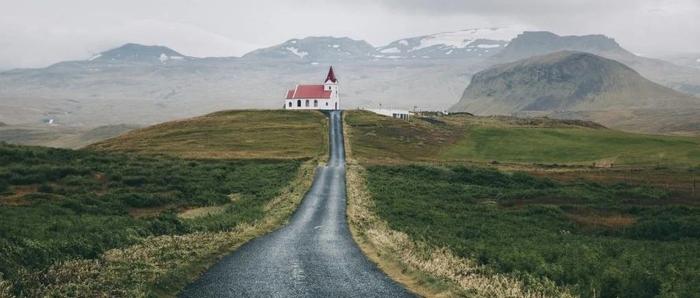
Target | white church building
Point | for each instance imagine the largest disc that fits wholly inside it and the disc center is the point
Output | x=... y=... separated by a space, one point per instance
x=314 y=97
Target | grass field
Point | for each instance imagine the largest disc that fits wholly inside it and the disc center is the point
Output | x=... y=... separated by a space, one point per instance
x=460 y=138
x=116 y=220
x=499 y=205
x=572 y=146
x=602 y=241
x=263 y=134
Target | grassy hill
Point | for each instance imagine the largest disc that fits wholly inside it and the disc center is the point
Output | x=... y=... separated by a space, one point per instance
x=464 y=138
x=528 y=207
x=141 y=214
x=276 y=134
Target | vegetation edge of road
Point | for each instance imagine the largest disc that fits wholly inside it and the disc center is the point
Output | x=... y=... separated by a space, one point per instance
x=279 y=210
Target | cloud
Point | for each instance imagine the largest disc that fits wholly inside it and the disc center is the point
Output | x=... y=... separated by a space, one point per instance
x=40 y=32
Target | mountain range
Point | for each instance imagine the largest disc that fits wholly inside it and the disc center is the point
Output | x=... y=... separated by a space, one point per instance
x=141 y=85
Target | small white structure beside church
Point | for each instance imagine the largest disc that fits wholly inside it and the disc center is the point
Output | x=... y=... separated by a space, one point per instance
x=314 y=97
x=394 y=113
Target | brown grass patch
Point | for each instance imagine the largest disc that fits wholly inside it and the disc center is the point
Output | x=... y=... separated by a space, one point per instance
x=208 y=210
x=203 y=211
x=683 y=181
x=150 y=212
x=17 y=196
x=610 y=221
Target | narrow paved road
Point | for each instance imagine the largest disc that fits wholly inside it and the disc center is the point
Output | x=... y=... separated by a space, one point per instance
x=313 y=256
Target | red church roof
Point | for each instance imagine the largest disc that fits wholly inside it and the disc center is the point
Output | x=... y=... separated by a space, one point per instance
x=308 y=91
x=331 y=76
x=313 y=91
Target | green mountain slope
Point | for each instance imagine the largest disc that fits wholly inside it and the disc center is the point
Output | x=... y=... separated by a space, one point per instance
x=594 y=87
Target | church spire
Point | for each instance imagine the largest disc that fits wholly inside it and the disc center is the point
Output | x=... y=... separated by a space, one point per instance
x=331 y=76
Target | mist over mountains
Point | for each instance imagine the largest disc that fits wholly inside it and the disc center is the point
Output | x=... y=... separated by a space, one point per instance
x=141 y=85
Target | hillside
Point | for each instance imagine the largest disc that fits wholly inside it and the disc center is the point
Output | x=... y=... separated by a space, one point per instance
x=683 y=78
x=58 y=136
x=524 y=205
x=536 y=43
x=143 y=214
x=463 y=138
x=252 y=134
x=139 y=54
x=316 y=49
x=567 y=81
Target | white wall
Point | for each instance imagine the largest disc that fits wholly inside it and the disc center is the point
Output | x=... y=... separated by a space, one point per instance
x=403 y=114
x=323 y=104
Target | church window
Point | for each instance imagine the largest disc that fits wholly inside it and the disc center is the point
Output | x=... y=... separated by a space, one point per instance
x=307 y=101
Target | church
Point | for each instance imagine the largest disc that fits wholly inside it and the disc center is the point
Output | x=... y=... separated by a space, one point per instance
x=315 y=97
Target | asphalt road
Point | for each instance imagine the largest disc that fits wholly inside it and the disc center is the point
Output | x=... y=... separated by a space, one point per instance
x=312 y=256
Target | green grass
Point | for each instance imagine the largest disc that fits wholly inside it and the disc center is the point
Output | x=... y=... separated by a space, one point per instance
x=459 y=138
x=262 y=134
x=572 y=145
x=59 y=205
x=600 y=240
x=64 y=211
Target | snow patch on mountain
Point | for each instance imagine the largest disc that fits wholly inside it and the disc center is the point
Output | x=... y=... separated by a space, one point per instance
x=164 y=58
x=463 y=38
x=488 y=46
x=295 y=51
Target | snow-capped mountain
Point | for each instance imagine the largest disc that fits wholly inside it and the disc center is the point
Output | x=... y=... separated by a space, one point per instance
x=478 y=42
x=482 y=42
x=315 y=49
x=132 y=52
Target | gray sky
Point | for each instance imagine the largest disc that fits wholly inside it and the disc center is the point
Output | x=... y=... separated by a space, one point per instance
x=35 y=33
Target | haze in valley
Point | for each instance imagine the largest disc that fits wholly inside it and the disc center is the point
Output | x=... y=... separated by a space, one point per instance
x=77 y=71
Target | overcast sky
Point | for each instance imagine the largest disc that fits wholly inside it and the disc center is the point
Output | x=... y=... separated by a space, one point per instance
x=36 y=33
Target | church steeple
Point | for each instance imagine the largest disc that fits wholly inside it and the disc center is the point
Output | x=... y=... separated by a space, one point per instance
x=331 y=76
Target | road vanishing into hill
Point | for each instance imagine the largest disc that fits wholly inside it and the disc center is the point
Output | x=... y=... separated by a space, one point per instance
x=314 y=255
